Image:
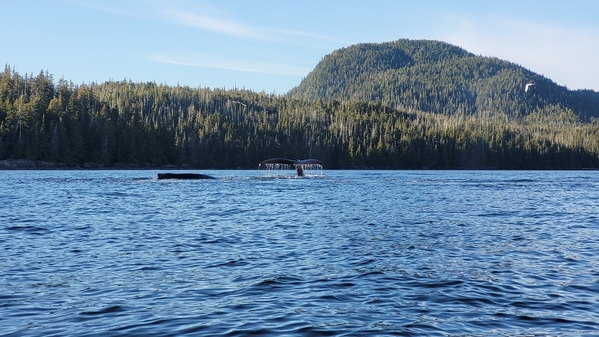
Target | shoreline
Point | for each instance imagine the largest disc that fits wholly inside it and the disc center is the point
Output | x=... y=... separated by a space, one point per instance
x=26 y=164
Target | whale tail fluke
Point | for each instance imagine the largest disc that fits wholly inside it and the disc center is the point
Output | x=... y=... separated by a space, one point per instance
x=298 y=165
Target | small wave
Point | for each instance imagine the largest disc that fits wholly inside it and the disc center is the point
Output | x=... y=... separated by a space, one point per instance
x=143 y=179
x=107 y=310
x=520 y=181
x=357 y=253
x=28 y=229
x=434 y=181
x=277 y=282
x=231 y=263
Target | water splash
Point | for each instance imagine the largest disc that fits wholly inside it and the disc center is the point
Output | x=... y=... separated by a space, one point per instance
x=285 y=164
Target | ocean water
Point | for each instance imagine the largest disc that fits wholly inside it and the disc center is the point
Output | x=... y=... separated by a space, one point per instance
x=355 y=253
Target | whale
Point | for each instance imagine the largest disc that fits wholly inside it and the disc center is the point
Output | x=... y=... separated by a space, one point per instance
x=187 y=176
x=284 y=163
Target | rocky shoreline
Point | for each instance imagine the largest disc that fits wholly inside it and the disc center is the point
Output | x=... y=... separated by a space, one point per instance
x=26 y=164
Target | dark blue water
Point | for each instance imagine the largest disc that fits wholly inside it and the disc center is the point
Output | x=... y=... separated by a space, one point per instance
x=101 y=253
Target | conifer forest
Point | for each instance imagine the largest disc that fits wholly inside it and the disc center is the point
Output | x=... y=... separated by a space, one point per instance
x=399 y=105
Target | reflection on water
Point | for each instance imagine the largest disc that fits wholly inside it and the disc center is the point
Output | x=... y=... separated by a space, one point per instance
x=336 y=252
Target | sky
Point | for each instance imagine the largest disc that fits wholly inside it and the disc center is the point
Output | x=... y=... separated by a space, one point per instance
x=271 y=45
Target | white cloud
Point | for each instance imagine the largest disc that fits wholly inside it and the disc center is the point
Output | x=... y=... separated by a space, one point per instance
x=217 y=25
x=220 y=24
x=124 y=8
x=564 y=54
x=220 y=62
x=198 y=16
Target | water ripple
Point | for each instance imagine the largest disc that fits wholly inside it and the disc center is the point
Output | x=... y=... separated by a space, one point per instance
x=360 y=253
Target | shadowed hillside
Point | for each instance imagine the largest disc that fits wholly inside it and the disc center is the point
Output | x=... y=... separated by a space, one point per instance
x=404 y=104
x=437 y=77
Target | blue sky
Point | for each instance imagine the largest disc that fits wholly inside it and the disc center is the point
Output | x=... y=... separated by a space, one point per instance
x=270 y=45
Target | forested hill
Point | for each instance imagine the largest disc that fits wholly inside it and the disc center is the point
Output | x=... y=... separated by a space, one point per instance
x=407 y=104
x=437 y=77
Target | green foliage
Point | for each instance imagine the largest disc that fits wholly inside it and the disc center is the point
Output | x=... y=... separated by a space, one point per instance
x=147 y=124
x=436 y=77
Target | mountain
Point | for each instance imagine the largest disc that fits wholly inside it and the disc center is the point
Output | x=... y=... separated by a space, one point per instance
x=400 y=105
x=437 y=77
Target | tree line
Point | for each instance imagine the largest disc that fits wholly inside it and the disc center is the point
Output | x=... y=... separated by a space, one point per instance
x=437 y=77
x=152 y=125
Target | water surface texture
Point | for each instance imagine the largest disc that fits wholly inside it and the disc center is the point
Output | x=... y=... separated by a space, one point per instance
x=447 y=253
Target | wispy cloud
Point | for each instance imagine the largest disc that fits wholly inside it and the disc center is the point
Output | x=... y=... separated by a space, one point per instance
x=217 y=25
x=232 y=27
x=124 y=8
x=200 y=17
x=565 y=54
x=196 y=15
x=220 y=62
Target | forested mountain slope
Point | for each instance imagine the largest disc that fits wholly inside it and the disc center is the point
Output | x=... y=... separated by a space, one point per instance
x=437 y=77
x=405 y=104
